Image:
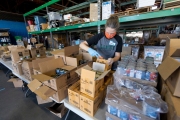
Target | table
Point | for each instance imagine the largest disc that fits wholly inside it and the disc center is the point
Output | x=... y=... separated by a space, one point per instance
x=100 y=114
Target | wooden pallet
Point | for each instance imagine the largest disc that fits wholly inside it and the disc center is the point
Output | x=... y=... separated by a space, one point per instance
x=138 y=11
x=120 y=14
x=171 y=5
x=74 y=22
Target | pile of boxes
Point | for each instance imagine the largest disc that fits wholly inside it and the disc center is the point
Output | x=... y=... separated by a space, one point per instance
x=88 y=93
x=169 y=72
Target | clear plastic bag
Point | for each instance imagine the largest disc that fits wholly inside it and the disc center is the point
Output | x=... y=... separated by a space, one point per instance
x=145 y=103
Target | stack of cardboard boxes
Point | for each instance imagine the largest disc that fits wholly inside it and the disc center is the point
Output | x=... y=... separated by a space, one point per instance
x=88 y=93
x=170 y=77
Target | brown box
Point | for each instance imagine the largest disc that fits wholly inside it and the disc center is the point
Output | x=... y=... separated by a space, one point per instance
x=90 y=105
x=67 y=51
x=4 y=34
x=74 y=60
x=170 y=72
x=41 y=101
x=107 y=81
x=18 y=53
x=27 y=69
x=48 y=69
x=58 y=109
x=16 y=81
x=35 y=64
x=171 y=46
x=17 y=67
x=41 y=90
x=90 y=82
x=103 y=61
x=93 y=12
x=63 y=92
x=173 y=104
x=74 y=94
x=38 y=52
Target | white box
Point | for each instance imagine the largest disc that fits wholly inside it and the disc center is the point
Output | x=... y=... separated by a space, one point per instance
x=145 y=3
x=107 y=9
x=67 y=17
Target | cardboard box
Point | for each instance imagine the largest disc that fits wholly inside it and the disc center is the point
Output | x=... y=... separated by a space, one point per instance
x=103 y=61
x=170 y=72
x=35 y=64
x=41 y=101
x=107 y=9
x=38 y=52
x=27 y=69
x=16 y=81
x=74 y=94
x=90 y=105
x=90 y=83
x=74 y=60
x=107 y=81
x=67 y=51
x=126 y=51
x=93 y=12
x=48 y=69
x=18 y=53
x=58 y=109
x=173 y=105
x=171 y=46
x=63 y=92
x=17 y=67
x=41 y=90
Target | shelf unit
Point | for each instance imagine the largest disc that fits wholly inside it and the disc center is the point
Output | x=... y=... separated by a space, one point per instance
x=8 y=37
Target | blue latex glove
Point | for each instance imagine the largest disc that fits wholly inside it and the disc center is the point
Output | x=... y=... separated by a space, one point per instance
x=93 y=53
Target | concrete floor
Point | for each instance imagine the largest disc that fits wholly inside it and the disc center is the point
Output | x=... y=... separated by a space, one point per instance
x=15 y=106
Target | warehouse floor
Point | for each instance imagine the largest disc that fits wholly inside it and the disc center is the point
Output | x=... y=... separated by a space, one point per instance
x=15 y=106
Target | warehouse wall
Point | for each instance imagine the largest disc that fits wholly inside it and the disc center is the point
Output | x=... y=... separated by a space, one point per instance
x=16 y=28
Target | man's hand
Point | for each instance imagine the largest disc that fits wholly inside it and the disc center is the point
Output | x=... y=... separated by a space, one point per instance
x=110 y=61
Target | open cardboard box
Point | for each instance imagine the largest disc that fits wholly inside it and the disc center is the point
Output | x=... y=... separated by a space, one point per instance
x=27 y=69
x=16 y=81
x=67 y=51
x=58 y=109
x=17 y=67
x=41 y=101
x=35 y=64
x=173 y=104
x=48 y=69
x=90 y=82
x=74 y=94
x=37 y=51
x=18 y=52
x=41 y=90
x=170 y=72
x=90 y=105
x=103 y=61
x=171 y=46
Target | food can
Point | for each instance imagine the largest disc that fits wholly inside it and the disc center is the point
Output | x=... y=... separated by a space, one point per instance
x=140 y=73
x=123 y=115
x=130 y=71
x=151 y=75
x=112 y=110
x=150 y=107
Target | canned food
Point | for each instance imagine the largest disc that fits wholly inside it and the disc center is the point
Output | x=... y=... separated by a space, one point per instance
x=140 y=73
x=150 y=107
x=112 y=110
x=130 y=71
x=151 y=75
x=123 y=115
